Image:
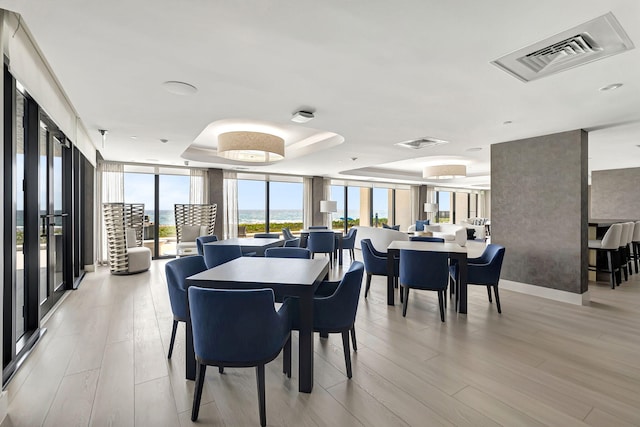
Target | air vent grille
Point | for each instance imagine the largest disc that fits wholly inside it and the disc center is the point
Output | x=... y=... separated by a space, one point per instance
x=593 y=40
x=417 y=144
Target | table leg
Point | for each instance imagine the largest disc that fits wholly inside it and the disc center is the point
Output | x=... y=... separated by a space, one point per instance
x=390 y=275
x=305 y=373
x=339 y=250
x=462 y=284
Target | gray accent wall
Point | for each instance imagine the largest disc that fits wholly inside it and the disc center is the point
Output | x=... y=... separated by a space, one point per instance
x=317 y=194
x=615 y=194
x=539 y=208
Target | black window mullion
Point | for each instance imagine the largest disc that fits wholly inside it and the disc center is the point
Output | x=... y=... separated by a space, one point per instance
x=266 y=206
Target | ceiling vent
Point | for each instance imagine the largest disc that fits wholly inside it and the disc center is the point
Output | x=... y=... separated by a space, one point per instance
x=419 y=143
x=593 y=40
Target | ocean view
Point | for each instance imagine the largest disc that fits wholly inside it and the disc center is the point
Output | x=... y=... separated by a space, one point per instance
x=249 y=216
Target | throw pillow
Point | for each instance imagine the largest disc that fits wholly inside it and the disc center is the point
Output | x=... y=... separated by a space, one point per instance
x=130 y=236
x=420 y=224
x=189 y=233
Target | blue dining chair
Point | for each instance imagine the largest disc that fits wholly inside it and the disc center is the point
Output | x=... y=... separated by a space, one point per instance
x=286 y=233
x=426 y=239
x=375 y=263
x=349 y=242
x=287 y=253
x=484 y=270
x=336 y=313
x=176 y=271
x=426 y=271
x=215 y=255
x=322 y=242
x=200 y=241
x=266 y=236
x=318 y=227
x=238 y=328
x=292 y=243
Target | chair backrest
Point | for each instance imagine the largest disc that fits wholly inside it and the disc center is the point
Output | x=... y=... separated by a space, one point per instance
x=321 y=241
x=288 y=253
x=630 y=232
x=349 y=241
x=176 y=271
x=235 y=326
x=372 y=248
x=373 y=263
x=636 y=232
x=286 y=233
x=487 y=272
x=267 y=235
x=424 y=270
x=426 y=239
x=623 y=234
x=215 y=255
x=611 y=239
x=200 y=241
x=292 y=243
x=318 y=227
x=339 y=309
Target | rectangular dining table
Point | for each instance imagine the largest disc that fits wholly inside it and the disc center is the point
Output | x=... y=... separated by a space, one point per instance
x=250 y=244
x=287 y=277
x=454 y=250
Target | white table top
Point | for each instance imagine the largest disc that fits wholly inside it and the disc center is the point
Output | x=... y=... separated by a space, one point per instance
x=284 y=271
x=449 y=247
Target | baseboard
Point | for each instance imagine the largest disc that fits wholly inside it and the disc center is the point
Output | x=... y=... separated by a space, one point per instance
x=90 y=268
x=4 y=405
x=548 y=293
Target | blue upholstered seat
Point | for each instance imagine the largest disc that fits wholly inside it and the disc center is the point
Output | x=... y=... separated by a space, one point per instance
x=336 y=313
x=238 y=328
x=349 y=242
x=288 y=253
x=200 y=241
x=177 y=271
x=426 y=239
x=322 y=242
x=484 y=270
x=424 y=270
x=292 y=243
x=215 y=255
x=375 y=263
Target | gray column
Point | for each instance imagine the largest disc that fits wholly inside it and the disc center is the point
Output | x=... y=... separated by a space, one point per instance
x=317 y=194
x=539 y=209
x=216 y=196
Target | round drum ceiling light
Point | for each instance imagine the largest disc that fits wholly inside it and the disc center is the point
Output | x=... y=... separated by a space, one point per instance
x=179 y=88
x=255 y=147
x=444 y=171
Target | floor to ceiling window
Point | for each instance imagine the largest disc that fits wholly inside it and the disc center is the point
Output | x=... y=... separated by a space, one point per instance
x=382 y=204
x=444 y=201
x=172 y=189
x=252 y=211
x=285 y=206
x=338 y=218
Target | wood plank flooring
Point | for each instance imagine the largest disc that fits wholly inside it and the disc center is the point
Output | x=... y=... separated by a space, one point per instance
x=103 y=362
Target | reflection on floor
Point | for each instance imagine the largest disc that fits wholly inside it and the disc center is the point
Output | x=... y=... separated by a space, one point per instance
x=103 y=362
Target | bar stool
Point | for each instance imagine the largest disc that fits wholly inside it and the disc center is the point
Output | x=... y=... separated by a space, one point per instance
x=629 y=247
x=623 y=254
x=610 y=244
x=635 y=243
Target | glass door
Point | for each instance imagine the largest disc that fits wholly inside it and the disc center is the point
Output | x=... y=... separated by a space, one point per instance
x=52 y=219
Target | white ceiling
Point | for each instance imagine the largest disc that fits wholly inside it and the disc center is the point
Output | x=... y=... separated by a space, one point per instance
x=376 y=73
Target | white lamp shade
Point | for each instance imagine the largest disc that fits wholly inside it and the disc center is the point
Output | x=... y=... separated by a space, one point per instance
x=431 y=207
x=328 y=206
x=444 y=171
x=254 y=147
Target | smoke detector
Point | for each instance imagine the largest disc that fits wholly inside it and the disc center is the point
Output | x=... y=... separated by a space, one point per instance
x=593 y=40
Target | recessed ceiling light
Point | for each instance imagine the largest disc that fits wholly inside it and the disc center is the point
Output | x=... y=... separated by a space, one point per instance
x=152 y=160
x=179 y=88
x=302 y=116
x=164 y=141
x=507 y=122
x=613 y=86
x=133 y=137
x=474 y=149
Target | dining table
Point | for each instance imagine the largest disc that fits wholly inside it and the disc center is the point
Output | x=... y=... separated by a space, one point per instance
x=455 y=251
x=287 y=277
x=250 y=244
x=339 y=236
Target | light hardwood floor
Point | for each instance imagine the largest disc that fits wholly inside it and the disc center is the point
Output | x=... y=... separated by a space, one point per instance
x=103 y=362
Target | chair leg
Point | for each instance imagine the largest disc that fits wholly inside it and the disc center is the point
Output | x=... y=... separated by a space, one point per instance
x=324 y=335
x=286 y=358
x=395 y=281
x=440 y=304
x=347 y=352
x=330 y=260
x=489 y=292
x=221 y=369
x=611 y=269
x=495 y=291
x=623 y=264
x=261 y=395
x=173 y=337
x=201 y=369
x=368 y=285
x=353 y=338
x=406 y=298
x=452 y=286
x=636 y=250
